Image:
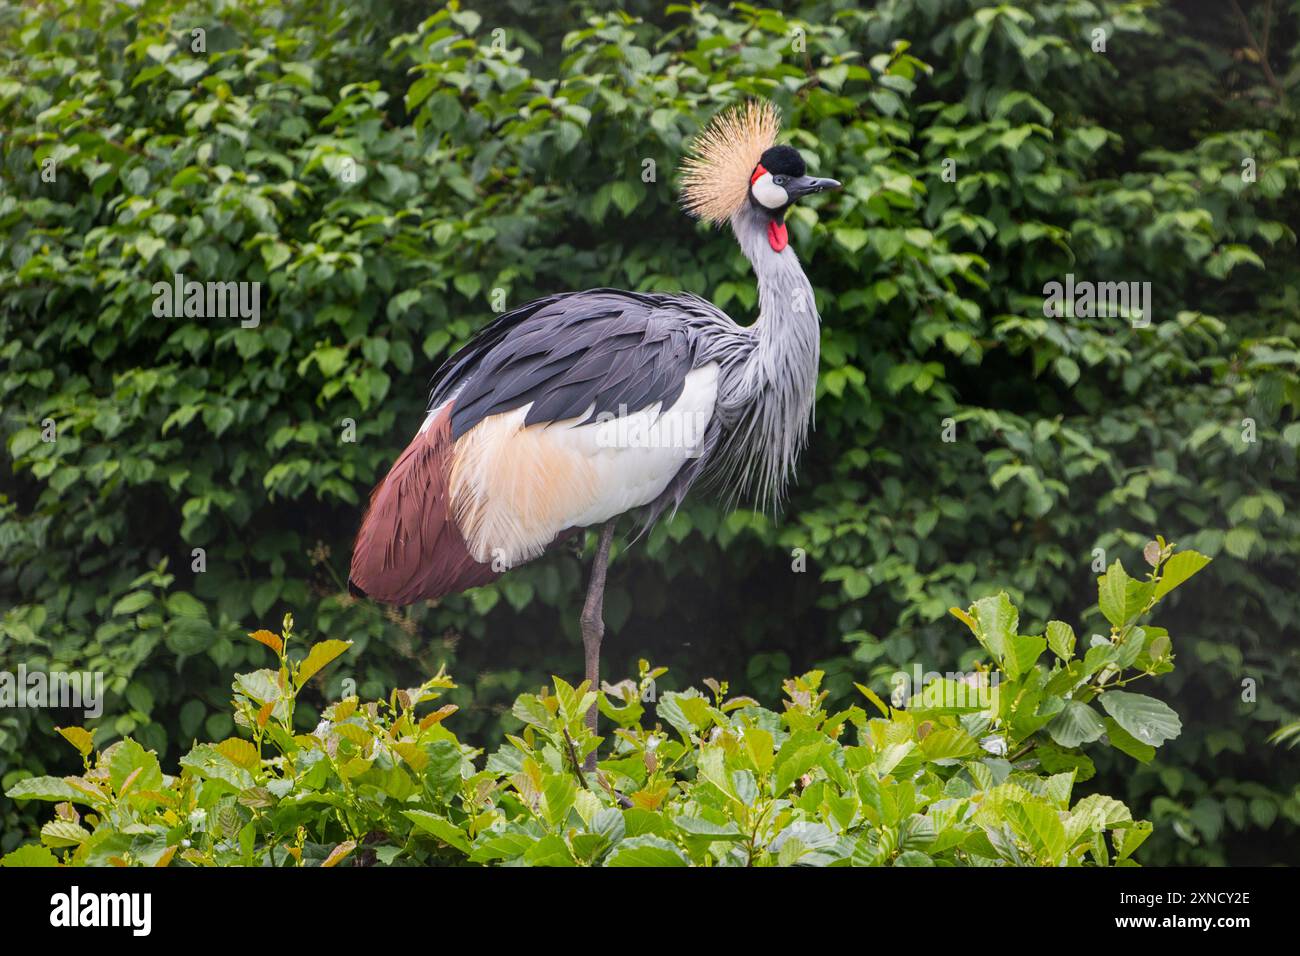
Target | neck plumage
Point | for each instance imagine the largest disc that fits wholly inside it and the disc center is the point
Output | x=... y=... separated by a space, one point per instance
x=779 y=380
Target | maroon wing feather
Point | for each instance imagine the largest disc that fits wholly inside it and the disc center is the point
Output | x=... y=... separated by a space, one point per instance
x=409 y=547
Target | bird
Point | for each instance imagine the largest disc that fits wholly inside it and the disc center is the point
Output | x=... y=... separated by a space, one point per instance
x=578 y=408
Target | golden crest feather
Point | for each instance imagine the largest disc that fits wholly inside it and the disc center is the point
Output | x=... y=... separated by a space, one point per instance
x=715 y=173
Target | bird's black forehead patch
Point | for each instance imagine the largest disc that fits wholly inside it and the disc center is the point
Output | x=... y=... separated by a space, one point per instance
x=783 y=161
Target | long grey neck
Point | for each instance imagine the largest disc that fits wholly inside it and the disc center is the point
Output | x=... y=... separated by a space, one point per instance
x=779 y=379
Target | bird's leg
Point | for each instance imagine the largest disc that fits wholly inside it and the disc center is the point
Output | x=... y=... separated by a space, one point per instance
x=593 y=623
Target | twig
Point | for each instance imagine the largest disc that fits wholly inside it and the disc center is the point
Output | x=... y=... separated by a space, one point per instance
x=1261 y=50
x=577 y=764
x=1023 y=751
x=623 y=801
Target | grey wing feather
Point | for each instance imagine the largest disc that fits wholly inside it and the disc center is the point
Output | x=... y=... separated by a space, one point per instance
x=583 y=353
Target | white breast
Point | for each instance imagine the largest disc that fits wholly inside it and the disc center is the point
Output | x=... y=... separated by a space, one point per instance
x=514 y=488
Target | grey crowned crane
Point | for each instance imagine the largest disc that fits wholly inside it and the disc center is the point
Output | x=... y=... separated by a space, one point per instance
x=575 y=409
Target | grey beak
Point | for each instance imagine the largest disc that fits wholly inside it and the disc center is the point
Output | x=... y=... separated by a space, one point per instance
x=804 y=185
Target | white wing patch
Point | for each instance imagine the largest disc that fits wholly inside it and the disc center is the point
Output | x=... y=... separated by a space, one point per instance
x=514 y=488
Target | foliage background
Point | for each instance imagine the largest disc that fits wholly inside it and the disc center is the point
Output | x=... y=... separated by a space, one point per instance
x=513 y=161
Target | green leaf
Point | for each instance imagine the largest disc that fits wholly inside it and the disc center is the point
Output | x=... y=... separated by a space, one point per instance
x=646 y=850
x=796 y=762
x=1120 y=597
x=851 y=239
x=1093 y=137
x=30 y=855
x=265 y=594
x=1130 y=838
x=501 y=846
x=913 y=858
x=23 y=441
x=53 y=789
x=187 y=636
x=706 y=831
x=1178 y=569
x=1054 y=759
x=550 y=851
x=677 y=710
x=274 y=255
x=320 y=654
x=949 y=743
x=60 y=834
x=872 y=696
x=1098 y=656
x=133 y=602
x=79 y=737
x=996 y=623
x=559 y=790
x=1060 y=638
x=1100 y=811
x=440 y=827
x=1111 y=590
x=758 y=747
x=1022 y=651
x=181 y=604
x=1076 y=724
x=1151 y=721
x=1040 y=824
x=126 y=757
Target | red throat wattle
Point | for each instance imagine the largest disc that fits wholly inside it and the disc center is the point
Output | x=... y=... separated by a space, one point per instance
x=777 y=237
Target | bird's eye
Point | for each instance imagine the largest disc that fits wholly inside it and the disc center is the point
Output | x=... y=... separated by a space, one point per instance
x=779 y=180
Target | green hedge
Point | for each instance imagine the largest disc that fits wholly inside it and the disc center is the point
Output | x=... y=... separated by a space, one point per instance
x=977 y=769
x=384 y=171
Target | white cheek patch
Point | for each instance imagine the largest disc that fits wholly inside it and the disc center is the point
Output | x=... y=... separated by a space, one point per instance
x=769 y=193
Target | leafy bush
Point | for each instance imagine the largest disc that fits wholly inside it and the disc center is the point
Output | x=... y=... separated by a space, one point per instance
x=975 y=771
x=517 y=165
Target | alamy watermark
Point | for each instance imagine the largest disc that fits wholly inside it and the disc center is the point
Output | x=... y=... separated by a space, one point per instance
x=133 y=911
x=210 y=300
x=951 y=689
x=76 y=690
x=1085 y=299
x=624 y=430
